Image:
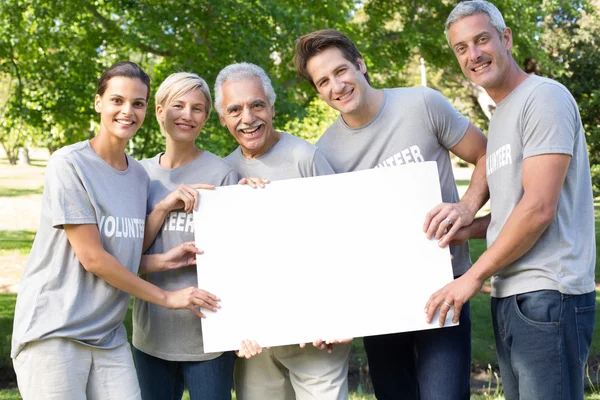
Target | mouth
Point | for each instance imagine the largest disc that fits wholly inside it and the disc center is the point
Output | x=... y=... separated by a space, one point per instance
x=250 y=130
x=345 y=95
x=125 y=122
x=184 y=127
x=481 y=67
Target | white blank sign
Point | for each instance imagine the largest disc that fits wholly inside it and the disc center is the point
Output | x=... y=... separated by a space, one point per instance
x=328 y=257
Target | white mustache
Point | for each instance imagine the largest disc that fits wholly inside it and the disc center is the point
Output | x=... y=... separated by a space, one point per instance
x=248 y=126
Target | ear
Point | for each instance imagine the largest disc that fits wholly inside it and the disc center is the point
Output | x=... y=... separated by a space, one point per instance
x=160 y=112
x=98 y=103
x=222 y=120
x=362 y=66
x=507 y=39
x=273 y=111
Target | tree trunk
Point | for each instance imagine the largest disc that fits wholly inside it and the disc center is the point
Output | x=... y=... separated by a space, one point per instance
x=23 y=156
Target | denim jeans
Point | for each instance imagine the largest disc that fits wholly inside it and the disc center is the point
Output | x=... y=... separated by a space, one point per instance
x=543 y=340
x=433 y=364
x=165 y=380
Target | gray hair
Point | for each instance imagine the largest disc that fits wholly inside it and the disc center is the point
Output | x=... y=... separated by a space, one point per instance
x=468 y=8
x=239 y=72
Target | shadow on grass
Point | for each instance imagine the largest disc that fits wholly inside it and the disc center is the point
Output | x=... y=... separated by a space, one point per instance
x=17 y=240
x=17 y=192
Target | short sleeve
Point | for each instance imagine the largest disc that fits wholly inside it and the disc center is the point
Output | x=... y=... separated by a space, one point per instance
x=550 y=121
x=320 y=165
x=448 y=125
x=69 y=200
x=232 y=178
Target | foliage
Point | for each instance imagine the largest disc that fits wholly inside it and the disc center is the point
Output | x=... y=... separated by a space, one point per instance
x=53 y=53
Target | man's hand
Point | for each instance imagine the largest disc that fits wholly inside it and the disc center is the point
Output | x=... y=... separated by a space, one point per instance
x=181 y=255
x=445 y=220
x=322 y=345
x=185 y=196
x=248 y=349
x=453 y=295
x=254 y=182
x=192 y=298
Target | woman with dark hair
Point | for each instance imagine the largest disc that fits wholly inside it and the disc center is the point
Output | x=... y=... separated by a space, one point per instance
x=69 y=341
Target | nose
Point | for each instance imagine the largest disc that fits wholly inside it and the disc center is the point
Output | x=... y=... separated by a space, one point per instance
x=247 y=115
x=127 y=108
x=474 y=53
x=337 y=85
x=187 y=113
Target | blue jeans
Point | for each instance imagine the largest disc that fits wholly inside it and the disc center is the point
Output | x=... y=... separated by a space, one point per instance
x=433 y=364
x=543 y=340
x=165 y=380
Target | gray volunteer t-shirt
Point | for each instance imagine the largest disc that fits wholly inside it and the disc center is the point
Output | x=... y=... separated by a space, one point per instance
x=413 y=125
x=175 y=335
x=57 y=296
x=291 y=157
x=541 y=117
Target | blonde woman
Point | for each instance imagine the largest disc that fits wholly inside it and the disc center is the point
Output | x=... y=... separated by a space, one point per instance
x=168 y=345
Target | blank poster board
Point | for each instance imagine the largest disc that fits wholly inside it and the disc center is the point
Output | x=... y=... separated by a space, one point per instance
x=327 y=257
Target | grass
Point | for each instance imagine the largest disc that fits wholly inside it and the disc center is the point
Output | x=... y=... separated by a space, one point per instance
x=17 y=240
x=17 y=192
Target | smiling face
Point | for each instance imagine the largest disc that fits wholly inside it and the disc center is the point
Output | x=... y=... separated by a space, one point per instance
x=248 y=116
x=483 y=54
x=122 y=107
x=184 y=116
x=339 y=81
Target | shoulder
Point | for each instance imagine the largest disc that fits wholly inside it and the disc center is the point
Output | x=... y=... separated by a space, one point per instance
x=216 y=162
x=300 y=147
x=137 y=168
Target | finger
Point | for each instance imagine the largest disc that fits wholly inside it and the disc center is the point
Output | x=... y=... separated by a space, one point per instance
x=255 y=348
x=190 y=247
x=243 y=351
x=202 y=186
x=447 y=238
x=196 y=311
x=429 y=216
x=436 y=221
x=258 y=181
x=457 y=311
x=302 y=345
x=445 y=225
x=446 y=305
x=432 y=307
x=205 y=303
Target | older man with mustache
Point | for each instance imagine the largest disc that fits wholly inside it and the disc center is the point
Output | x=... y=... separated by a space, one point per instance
x=244 y=100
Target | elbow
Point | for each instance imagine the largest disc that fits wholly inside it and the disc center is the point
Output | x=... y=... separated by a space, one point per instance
x=91 y=262
x=545 y=214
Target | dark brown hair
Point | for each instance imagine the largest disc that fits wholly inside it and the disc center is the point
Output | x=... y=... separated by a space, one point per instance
x=125 y=69
x=316 y=42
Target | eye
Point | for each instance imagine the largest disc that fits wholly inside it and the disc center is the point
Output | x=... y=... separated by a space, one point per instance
x=323 y=82
x=259 y=106
x=178 y=106
x=342 y=71
x=459 y=49
x=139 y=104
x=198 y=109
x=116 y=100
x=482 y=39
x=233 y=111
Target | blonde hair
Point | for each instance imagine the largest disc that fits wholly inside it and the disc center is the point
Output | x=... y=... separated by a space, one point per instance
x=177 y=85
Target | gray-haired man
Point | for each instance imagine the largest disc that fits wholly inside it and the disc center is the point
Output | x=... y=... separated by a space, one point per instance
x=244 y=100
x=541 y=249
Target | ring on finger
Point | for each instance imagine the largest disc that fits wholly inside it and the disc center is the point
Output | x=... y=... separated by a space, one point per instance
x=448 y=221
x=447 y=304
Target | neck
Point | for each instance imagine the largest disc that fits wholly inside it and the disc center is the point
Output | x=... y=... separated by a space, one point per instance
x=365 y=112
x=269 y=144
x=513 y=78
x=179 y=153
x=111 y=150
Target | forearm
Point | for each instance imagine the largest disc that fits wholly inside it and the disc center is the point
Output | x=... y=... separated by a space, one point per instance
x=520 y=233
x=478 y=229
x=154 y=222
x=477 y=193
x=152 y=263
x=108 y=268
